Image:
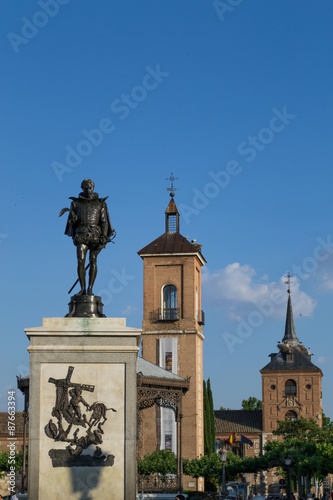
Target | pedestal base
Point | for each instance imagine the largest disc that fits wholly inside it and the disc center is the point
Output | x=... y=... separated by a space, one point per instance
x=82 y=411
x=85 y=306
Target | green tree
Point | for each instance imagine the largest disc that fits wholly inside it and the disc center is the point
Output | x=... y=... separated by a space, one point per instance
x=206 y=419
x=6 y=461
x=302 y=428
x=210 y=467
x=209 y=419
x=251 y=403
x=158 y=462
x=309 y=446
x=327 y=423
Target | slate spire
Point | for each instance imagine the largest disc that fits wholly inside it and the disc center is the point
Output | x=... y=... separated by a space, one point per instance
x=289 y=331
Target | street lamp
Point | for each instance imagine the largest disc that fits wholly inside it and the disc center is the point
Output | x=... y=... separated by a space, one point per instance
x=255 y=475
x=223 y=458
x=287 y=461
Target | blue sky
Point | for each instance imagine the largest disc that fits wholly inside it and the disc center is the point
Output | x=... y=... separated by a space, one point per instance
x=233 y=97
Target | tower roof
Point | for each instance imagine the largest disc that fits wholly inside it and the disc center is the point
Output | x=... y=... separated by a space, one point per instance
x=289 y=331
x=228 y=421
x=172 y=208
x=292 y=354
x=291 y=358
x=172 y=243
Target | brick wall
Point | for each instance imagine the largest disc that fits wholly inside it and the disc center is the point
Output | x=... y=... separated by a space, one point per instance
x=183 y=271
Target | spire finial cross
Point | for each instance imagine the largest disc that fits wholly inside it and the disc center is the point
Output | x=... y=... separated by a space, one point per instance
x=172 y=188
x=288 y=281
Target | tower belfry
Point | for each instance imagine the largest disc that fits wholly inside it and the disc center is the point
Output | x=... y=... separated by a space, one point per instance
x=172 y=217
x=171 y=213
x=172 y=335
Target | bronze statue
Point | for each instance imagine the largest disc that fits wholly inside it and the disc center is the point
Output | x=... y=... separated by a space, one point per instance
x=90 y=227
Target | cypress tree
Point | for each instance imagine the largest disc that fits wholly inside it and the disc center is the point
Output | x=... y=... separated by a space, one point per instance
x=211 y=418
x=206 y=419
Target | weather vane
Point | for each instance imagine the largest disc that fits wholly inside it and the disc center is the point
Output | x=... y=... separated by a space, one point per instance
x=172 y=188
x=288 y=282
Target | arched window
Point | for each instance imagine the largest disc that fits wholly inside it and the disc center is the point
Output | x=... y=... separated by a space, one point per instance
x=290 y=388
x=170 y=302
x=291 y=416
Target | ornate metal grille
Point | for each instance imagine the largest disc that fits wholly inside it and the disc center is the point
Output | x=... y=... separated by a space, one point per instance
x=157 y=483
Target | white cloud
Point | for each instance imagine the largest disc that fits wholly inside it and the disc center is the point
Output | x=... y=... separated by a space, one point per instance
x=129 y=310
x=325 y=279
x=236 y=289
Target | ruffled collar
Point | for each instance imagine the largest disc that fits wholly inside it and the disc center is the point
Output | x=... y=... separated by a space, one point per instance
x=92 y=197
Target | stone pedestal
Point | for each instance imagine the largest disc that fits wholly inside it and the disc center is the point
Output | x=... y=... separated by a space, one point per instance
x=85 y=306
x=82 y=426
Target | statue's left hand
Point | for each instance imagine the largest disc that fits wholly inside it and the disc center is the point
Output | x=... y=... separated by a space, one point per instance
x=104 y=239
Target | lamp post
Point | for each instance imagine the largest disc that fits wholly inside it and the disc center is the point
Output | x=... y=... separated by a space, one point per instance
x=255 y=475
x=23 y=385
x=223 y=458
x=287 y=461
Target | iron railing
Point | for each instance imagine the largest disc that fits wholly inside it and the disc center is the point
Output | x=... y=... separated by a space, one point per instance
x=201 y=317
x=165 y=315
x=173 y=315
x=156 y=483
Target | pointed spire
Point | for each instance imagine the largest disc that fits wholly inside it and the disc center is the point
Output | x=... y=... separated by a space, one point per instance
x=289 y=331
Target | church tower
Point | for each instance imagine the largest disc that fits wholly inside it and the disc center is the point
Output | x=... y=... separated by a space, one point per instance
x=291 y=383
x=172 y=335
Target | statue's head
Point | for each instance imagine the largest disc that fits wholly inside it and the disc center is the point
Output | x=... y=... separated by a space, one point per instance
x=88 y=185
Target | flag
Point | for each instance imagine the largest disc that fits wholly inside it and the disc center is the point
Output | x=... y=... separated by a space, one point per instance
x=231 y=439
x=245 y=440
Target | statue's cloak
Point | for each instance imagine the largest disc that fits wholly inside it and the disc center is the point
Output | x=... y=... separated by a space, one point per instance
x=71 y=227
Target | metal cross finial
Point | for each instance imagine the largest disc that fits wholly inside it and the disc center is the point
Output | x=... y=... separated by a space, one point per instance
x=172 y=189
x=288 y=282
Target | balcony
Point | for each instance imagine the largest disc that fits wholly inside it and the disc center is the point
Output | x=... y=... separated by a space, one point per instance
x=201 y=317
x=173 y=314
x=165 y=315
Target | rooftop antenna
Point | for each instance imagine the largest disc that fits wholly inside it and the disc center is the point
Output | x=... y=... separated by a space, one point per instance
x=288 y=281
x=172 y=188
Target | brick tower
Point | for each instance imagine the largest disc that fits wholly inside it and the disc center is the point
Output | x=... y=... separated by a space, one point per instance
x=291 y=383
x=172 y=335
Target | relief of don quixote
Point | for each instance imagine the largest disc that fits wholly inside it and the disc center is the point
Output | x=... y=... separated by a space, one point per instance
x=78 y=423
